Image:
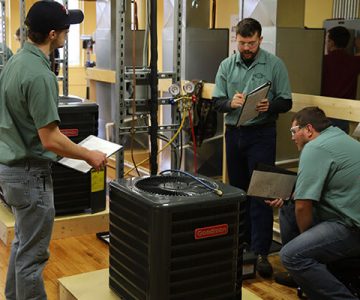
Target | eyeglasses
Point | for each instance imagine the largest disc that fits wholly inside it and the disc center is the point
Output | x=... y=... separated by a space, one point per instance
x=250 y=45
x=295 y=129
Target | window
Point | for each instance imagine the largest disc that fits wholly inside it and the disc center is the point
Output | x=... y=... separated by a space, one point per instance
x=74 y=53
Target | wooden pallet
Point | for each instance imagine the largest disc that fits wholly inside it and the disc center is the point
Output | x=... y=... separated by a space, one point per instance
x=95 y=285
x=64 y=226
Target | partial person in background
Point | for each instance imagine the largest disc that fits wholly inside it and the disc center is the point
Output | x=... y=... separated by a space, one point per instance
x=5 y=54
x=340 y=70
x=17 y=35
x=255 y=141
x=30 y=140
x=322 y=223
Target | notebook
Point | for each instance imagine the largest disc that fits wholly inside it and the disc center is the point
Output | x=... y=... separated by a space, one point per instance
x=92 y=143
x=248 y=111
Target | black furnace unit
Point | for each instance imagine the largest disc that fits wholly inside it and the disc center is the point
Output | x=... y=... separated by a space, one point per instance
x=173 y=238
x=75 y=191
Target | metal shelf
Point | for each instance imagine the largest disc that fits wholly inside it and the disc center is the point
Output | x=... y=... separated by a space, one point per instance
x=125 y=78
x=3 y=56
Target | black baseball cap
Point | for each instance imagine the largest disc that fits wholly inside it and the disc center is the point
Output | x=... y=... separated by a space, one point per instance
x=48 y=15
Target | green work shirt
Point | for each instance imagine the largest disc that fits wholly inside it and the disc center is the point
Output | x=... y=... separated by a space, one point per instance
x=28 y=101
x=329 y=174
x=234 y=77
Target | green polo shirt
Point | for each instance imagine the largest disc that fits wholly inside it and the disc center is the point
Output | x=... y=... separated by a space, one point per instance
x=28 y=101
x=329 y=174
x=234 y=76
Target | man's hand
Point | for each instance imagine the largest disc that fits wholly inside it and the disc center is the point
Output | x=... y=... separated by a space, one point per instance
x=96 y=159
x=263 y=105
x=275 y=203
x=53 y=140
x=238 y=100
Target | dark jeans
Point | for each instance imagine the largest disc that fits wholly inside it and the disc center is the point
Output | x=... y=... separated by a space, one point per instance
x=245 y=147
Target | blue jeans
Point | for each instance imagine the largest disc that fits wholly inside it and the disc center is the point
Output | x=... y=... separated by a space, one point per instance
x=245 y=147
x=306 y=255
x=28 y=189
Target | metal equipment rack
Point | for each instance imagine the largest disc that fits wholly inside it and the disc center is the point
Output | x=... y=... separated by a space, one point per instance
x=65 y=63
x=3 y=56
x=143 y=76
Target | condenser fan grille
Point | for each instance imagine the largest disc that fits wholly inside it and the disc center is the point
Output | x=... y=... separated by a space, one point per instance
x=174 y=186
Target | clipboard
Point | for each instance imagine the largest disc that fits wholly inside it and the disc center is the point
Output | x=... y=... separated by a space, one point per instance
x=271 y=182
x=248 y=111
x=92 y=143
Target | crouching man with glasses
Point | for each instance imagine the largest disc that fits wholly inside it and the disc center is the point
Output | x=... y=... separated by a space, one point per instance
x=322 y=224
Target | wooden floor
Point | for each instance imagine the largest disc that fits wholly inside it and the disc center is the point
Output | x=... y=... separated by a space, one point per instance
x=86 y=253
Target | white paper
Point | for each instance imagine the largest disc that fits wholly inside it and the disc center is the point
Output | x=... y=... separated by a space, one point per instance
x=92 y=143
x=271 y=185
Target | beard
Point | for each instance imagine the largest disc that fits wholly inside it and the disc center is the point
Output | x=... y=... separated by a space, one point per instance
x=248 y=56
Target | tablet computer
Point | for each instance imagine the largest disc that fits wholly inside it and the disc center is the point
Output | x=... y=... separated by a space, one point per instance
x=272 y=182
x=248 y=111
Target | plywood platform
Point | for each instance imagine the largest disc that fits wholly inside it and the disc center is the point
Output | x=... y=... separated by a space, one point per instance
x=64 y=226
x=95 y=285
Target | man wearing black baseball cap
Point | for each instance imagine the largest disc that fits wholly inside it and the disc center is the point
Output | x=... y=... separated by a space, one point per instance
x=45 y=16
x=30 y=140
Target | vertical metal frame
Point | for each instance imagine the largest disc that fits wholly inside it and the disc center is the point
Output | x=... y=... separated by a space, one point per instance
x=66 y=61
x=178 y=11
x=3 y=34
x=120 y=82
x=120 y=88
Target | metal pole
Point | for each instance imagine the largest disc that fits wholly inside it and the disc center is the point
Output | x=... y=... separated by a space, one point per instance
x=178 y=10
x=3 y=54
x=153 y=88
x=119 y=85
x=66 y=62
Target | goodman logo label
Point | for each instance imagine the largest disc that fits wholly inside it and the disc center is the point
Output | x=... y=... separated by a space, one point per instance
x=211 y=231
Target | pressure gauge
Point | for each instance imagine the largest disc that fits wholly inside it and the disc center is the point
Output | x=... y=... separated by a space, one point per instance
x=174 y=89
x=189 y=87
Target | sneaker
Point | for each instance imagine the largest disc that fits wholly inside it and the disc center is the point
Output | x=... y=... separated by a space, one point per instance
x=263 y=267
x=285 y=278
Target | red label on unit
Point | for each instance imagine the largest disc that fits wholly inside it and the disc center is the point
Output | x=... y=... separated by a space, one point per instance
x=70 y=132
x=211 y=231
